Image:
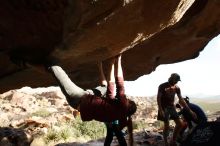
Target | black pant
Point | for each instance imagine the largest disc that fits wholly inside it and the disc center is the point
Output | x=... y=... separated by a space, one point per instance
x=111 y=129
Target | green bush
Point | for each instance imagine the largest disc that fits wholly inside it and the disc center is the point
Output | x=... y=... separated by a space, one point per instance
x=92 y=129
x=76 y=129
x=65 y=133
x=52 y=135
x=139 y=125
x=41 y=113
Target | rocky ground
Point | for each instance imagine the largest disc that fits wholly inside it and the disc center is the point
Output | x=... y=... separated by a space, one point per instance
x=27 y=113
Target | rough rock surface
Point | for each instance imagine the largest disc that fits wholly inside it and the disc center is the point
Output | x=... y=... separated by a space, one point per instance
x=82 y=32
x=29 y=114
x=22 y=125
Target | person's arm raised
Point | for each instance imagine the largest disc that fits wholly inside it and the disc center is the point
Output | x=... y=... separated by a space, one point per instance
x=184 y=104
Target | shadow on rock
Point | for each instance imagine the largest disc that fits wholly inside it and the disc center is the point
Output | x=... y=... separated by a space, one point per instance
x=206 y=134
x=14 y=137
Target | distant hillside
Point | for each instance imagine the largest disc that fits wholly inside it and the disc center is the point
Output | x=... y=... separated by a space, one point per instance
x=215 y=98
x=205 y=97
x=209 y=104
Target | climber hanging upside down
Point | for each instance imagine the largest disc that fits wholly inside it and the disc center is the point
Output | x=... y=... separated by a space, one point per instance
x=91 y=106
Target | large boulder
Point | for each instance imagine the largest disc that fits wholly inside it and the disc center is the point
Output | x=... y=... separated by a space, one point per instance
x=205 y=134
x=81 y=33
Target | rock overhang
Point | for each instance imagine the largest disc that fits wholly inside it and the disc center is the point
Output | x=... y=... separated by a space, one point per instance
x=81 y=33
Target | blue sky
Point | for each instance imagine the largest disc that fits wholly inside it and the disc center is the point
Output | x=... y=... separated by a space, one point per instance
x=199 y=76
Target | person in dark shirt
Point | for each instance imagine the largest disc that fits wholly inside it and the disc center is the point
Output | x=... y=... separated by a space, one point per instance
x=166 y=108
x=200 y=114
x=93 y=107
